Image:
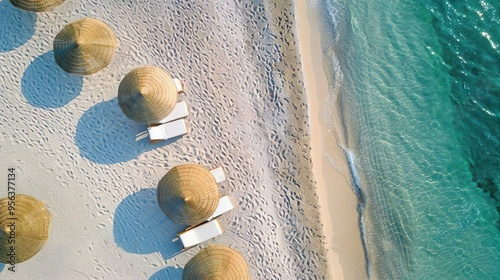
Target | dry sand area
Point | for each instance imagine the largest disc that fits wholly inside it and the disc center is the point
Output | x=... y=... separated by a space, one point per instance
x=74 y=149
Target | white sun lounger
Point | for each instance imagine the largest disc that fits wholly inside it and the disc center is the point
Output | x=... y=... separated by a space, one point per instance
x=167 y=130
x=201 y=233
x=224 y=206
x=180 y=111
x=219 y=175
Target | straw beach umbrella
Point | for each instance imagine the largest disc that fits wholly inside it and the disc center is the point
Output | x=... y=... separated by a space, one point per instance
x=84 y=47
x=216 y=262
x=25 y=226
x=36 y=5
x=147 y=94
x=188 y=194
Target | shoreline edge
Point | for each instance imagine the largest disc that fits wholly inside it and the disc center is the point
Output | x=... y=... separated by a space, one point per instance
x=337 y=201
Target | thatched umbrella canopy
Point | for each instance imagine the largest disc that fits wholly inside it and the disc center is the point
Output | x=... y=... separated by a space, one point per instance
x=85 y=46
x=188 y=194
x=147 y=94
x=28 y=226
x=36 y=5
x=216 y=262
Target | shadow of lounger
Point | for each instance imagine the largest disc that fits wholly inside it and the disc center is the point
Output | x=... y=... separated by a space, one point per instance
x=105 y=135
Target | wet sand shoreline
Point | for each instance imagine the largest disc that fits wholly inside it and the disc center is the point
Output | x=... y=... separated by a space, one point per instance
x=339 y=215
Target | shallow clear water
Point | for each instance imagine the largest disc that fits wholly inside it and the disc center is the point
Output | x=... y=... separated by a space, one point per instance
x=420 y=100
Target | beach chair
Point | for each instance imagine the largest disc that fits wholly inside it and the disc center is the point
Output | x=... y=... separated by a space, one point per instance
x=167 y=130
x=180 y=111
x=225 y=203
x=224 y=206
x=219 y=174
x=200 y=233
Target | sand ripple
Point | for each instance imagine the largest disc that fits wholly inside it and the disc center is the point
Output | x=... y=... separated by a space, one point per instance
x=247 y=113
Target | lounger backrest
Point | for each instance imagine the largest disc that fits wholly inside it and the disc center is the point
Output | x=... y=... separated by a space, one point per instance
x=224 y=205
x=219 y=174
x=179 y=85
x=180 y=111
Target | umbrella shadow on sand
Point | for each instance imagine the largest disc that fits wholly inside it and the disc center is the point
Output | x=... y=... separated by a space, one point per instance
x=16 y=26
x=141 y=227
x=105 y=135
x=46 y=85
x=167 y=273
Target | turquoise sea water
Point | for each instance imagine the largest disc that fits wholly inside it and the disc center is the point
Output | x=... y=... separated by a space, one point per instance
x=420 y=100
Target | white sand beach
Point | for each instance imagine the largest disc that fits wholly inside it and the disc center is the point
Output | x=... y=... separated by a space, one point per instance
x=73 y=148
